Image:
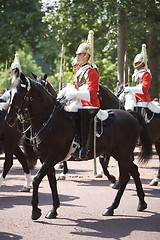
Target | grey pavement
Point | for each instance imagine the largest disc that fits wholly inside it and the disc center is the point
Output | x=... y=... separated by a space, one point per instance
x=83 y=199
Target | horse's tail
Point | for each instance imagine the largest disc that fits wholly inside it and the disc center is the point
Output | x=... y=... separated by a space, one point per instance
x=145 y=141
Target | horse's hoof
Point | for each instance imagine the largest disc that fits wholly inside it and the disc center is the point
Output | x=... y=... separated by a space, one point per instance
x=61 y=177
x=116 y=185
x=99 y=175
x=36 y=214
x=25 y=189
x=108 y=212
x=59 y=166
x=112 y=179
x=154 y=182
x=51 y=215
x=141 y=206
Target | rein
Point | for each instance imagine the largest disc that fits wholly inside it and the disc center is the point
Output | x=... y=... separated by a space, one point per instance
x=46 y=126
x=23 y=117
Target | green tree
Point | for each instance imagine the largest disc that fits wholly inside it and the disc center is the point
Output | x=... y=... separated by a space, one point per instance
x=69 y=21
x=28 y=65
x=21 y=24
x=44 y=30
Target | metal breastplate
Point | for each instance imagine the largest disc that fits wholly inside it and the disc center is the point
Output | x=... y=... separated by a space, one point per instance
x=137 y=78
x=82 y=78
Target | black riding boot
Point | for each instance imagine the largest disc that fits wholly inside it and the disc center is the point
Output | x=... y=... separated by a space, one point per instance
x=84 y=128
x=85 y=118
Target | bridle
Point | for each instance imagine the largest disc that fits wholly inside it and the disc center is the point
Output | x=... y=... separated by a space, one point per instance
x=22 y=115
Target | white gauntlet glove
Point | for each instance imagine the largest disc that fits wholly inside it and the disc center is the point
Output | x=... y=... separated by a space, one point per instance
x=81 y=95
x=136 y=89
x=127 y=89
x=70 y=96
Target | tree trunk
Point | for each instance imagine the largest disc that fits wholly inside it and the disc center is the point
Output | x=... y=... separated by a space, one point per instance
x=153 y=55
x=122 y=46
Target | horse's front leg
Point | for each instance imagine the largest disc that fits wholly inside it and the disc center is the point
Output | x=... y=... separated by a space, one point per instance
x=7 y=166
x=36 y=212
x=23 y=161
x=53 y=185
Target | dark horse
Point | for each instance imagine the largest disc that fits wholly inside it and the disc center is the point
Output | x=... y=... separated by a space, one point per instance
x=153 y=126
x=54 y=130
x=9 y=139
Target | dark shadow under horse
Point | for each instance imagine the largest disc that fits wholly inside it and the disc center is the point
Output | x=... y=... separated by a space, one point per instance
x=54 y=130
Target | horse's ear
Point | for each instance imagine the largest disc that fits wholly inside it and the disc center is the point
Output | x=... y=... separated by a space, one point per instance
x=22 y=77
x=45 y=76
x=34 y=76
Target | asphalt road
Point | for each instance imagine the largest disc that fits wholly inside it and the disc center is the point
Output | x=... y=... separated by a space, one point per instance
x=83 y=199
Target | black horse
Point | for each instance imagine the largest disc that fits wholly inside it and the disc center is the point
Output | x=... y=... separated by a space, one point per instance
x=9 y=139
x=11 y=142
x=153 y=126
x=54 y=130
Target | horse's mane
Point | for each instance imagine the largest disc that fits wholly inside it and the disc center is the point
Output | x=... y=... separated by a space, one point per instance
x=42 y=89
x=107 y=98
x=108 y=92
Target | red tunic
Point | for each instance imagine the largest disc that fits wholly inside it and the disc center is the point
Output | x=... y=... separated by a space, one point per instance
x=93 y=83
x=146 y=80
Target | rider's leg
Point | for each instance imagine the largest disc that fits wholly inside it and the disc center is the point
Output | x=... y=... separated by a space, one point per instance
x=85 y=119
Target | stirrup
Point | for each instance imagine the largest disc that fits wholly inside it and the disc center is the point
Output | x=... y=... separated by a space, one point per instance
x=79 y=155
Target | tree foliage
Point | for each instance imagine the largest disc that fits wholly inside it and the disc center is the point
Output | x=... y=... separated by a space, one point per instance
x=72 y=19
x=21 y=24
x=44 y=25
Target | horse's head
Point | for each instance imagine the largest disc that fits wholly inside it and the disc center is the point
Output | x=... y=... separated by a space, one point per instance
x=28 y=94
x=42 y=79
x=19 y=94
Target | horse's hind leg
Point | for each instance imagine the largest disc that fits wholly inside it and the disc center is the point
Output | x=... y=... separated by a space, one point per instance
x=136 y=176
x=62 y=176
x=104 y=161
x=53 y=185
x=155 y=180
x=116 y=184
x=124 y=178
